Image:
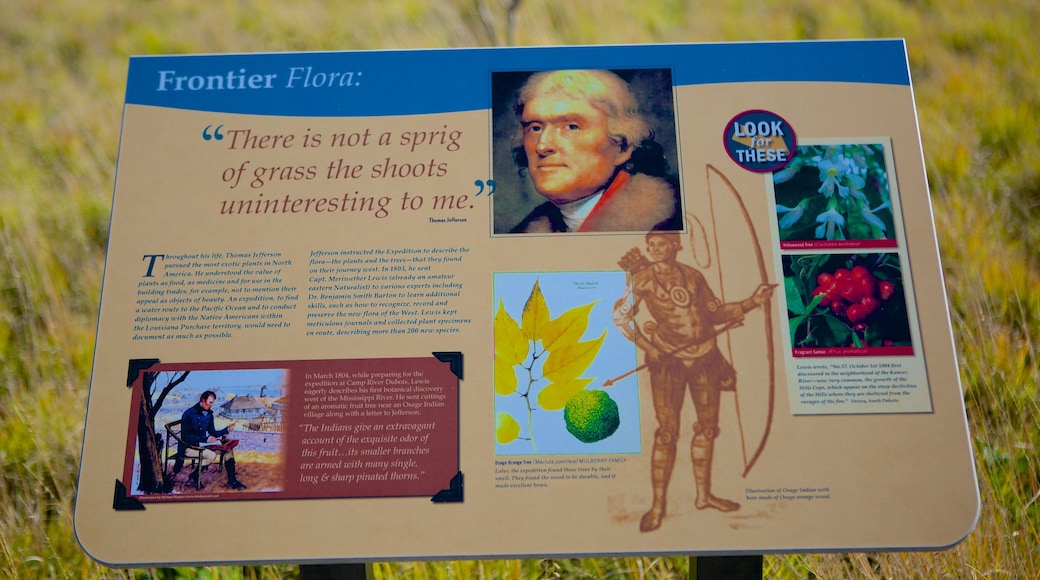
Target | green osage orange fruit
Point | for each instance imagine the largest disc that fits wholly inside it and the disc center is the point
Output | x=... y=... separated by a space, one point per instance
x=591 y=416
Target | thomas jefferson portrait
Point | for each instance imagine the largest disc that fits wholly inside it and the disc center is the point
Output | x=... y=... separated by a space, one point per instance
x=585 y=151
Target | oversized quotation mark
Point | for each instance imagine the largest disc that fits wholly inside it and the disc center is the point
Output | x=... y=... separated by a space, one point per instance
x=480 y=185
x=216 y=134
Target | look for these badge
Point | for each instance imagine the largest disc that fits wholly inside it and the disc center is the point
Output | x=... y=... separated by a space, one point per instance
x=759 y=141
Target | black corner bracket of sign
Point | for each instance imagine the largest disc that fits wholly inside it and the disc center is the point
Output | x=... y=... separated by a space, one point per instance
x=452 y=494
x=123 y=502
x=136 y=366
x=454 y=360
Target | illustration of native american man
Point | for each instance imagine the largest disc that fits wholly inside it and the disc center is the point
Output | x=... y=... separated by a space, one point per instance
x=681 y=353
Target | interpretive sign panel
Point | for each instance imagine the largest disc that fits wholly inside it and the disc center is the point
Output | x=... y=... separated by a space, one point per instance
x=509 y=302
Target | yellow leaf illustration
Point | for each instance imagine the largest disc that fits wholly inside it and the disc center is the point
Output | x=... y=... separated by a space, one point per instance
x=536 y=314
x=505 y=377
x=506 y=428
x=567 y=328
x=569 y=362
x=555 y=395
x=510 y=343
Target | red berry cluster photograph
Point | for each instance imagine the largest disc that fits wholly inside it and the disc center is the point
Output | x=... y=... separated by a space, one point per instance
x=847 y=300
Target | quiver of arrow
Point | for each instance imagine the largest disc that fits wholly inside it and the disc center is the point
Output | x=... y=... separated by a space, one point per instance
x=633 y=261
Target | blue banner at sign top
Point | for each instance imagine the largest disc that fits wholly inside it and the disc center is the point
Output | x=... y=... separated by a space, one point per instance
x=379 y=83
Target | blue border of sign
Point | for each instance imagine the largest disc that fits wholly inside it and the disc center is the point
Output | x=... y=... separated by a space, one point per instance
x=394 y=82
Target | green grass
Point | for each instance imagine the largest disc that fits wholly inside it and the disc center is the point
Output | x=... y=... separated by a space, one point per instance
x=975 y=65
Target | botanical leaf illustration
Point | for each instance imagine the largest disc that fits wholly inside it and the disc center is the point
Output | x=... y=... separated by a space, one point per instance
x=555 y=395
x=567 y=328
x=506 y=428
x=570 y=361
x=505 y=376
x=536 y=314
x=540 y=360
x=510 y=344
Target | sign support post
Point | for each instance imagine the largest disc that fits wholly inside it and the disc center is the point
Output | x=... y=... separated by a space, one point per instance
x=350 y=571
x=726 y=567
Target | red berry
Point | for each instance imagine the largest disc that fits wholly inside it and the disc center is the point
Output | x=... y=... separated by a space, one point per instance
x=822 y=292
x=867 y=285
x=886 y=289
x=838 y=307
x=834 y=294
x=850 y=291
x=857 y=313
x=859 y=272
x=843 y=274
x=826 y=281
x=871 y=304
